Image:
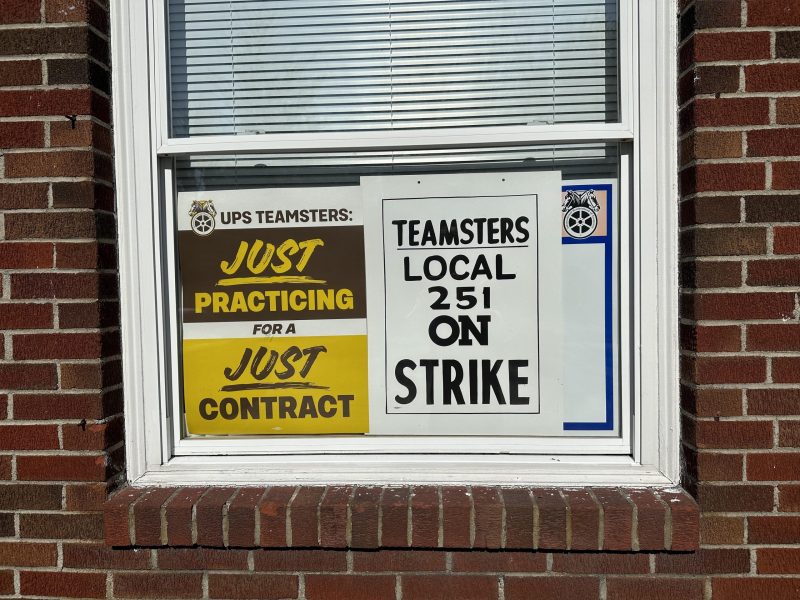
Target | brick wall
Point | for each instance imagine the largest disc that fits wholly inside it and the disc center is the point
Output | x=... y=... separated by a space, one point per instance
x=61 y=446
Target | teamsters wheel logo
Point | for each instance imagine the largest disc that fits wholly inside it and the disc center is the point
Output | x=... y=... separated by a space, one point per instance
x=581 y=208
x=203 y=216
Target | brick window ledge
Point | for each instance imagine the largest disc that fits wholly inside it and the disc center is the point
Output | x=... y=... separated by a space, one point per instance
x=452 y=517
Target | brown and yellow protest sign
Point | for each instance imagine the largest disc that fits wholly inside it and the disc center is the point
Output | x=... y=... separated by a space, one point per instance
x=274 y=311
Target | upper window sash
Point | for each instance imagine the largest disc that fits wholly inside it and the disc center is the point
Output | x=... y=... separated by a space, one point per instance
x=622 y=130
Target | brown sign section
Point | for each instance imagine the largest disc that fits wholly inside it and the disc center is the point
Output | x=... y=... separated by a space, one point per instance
x=293 y=273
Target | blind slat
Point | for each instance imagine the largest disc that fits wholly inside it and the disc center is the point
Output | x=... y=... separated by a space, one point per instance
x=239 y=66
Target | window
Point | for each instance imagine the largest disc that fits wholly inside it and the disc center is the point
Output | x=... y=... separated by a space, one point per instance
x=469 y=203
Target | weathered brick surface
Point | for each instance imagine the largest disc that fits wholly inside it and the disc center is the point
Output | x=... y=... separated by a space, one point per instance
x=61 y=421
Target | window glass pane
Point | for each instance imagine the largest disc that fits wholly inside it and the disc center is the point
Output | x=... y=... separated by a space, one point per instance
x=241 y=202
x=273 y=66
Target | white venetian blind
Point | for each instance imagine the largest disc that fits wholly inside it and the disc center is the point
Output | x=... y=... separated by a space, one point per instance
x=276 y=66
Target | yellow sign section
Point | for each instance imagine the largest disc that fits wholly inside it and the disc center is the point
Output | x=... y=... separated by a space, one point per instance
x=283 y=385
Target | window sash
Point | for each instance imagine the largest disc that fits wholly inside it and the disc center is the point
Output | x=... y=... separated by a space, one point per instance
x=139 y=44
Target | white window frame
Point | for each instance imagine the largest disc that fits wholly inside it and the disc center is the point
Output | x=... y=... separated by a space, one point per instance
x=647 y=453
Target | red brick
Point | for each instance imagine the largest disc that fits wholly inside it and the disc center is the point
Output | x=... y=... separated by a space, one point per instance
x=28 y=437
x=209 y=512
x=85 y=255
x=158 y=585
x=724 y=177
x=584 y=520
x=774 y=272
x=13 y=11
x=684 y=520
x=304 y=521
x=772 y=77
x=16 y=196
x=28 y=377
x=21 y=134
x=786 y=240
x=333 y=518
x=364 y=517
x=93 y=436
x=424 y=517
x=586 y=563
x=18 y=255
x=59 y=406
x=88 y=526
x=61 y=468
x=59 y=345
x=715 y=530
x=88 y=315
x=551 y=588
x=499 y=562
x=719 y=467
x=519 y=518
x=717 y=112
x=488 y=507
x=705 y=369
x=299 y=560
x=762 y=587
x=350 y=587
x=786 y=369
x=24 y=554
x=773 y=530
x=449 y=587
x=787 y=111
x=23 y=496
x=773 y=467
x=242 y=517
x=789 y=434
x=50 y=164
x=147 y=516
x=267 y=587
x=701 y=338
x=786 y=175
x=394 y=509
x=552 y=519
x=7 y=582
x=732 y=46
x=724 y=241
x=734 y=434
x=457 y=516
x=773 y=12
x=27 y=103
x=63 y=584
x=778 y=560
x=714 y=209
x=617 y=519
x=86 y=496
x=398 y=561
x=55 y=225
x=705 y=562
x=21 y=72
x=766 y=209
x=178 y=513
x=82 y=194
x=773 y=142
x=651 y=519
x=36 y=286
x=789 y=498
x=116 y=516
x=773 y=337
x=711 y=144
x=273 y=516
x=26 y=316
x=198 y=559
x=735 y=498
x=773 y=402
x=102 y=557
x=654 y=588
x=711 y=274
